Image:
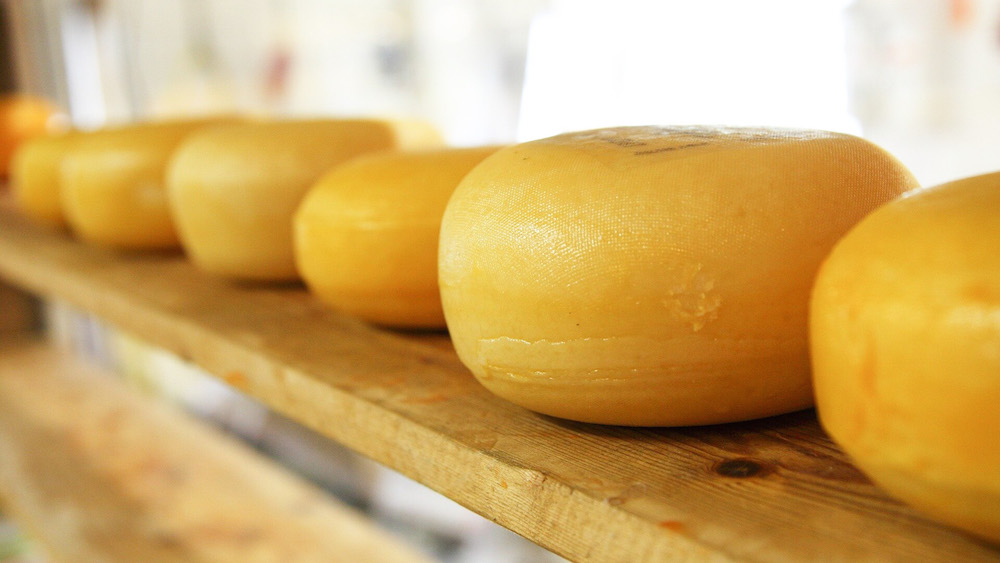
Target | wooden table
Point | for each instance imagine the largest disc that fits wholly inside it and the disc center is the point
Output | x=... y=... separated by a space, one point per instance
x=770 y=490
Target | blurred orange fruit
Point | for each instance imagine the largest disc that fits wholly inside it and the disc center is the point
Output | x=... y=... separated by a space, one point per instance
x=21 y=117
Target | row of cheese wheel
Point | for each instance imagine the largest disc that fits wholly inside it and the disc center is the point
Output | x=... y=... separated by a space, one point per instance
x=639 y=276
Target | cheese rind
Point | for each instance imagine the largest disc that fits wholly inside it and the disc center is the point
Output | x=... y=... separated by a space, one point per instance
x=651 y=276
x=234 y=189
x=112 y=185
x=366 y=235
x=35 y=178
x=905 y=339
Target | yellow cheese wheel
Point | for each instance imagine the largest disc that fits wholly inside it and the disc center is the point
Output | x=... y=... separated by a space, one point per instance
x=112 y=184
x=35 y=173
x=650 y=275
x=235 y=189
x=905 y=338
x=366 y=236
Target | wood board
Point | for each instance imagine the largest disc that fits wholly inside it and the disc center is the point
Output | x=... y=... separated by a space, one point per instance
x=770 y=490
x=100 y=474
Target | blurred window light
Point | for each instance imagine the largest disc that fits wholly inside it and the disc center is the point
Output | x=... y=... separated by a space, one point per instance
x=82 y=66
x=771 y=62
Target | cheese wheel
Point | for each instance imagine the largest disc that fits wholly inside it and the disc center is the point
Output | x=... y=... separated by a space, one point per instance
x=648 y=275
x=905 y=338
x=35 y=178
x=366 y=236
x=235 y=189
x=112 y=184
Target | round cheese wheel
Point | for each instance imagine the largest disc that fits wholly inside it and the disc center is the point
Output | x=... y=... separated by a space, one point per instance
x=112 y=184
x=649 y=275
x=366 y=236
x=905 y=337
x=35 y=178
x=235 y=189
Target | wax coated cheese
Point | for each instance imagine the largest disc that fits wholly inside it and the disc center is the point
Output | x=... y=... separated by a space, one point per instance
x=905 y=337
x=650 y=275
x=235 y=189
x=366 y=236
x=112 y=184
x=35 y=178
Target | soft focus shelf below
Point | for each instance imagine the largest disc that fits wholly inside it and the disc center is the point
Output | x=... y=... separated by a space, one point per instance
x=98 y=473
x=774 y=490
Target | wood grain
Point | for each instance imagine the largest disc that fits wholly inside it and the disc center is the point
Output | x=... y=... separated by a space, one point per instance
x=771 y=490
x=100 y=474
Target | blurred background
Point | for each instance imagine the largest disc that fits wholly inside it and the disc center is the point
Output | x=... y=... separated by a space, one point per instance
x=919 y=77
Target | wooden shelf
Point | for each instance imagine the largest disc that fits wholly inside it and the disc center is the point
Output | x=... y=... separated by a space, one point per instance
x=771 y=490
x=100 y=474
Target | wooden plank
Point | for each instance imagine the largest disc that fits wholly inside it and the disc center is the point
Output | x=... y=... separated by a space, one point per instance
x=771 y=490
x=100 y=474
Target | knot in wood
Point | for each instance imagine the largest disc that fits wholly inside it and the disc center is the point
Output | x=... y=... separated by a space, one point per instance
x=740 y=468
